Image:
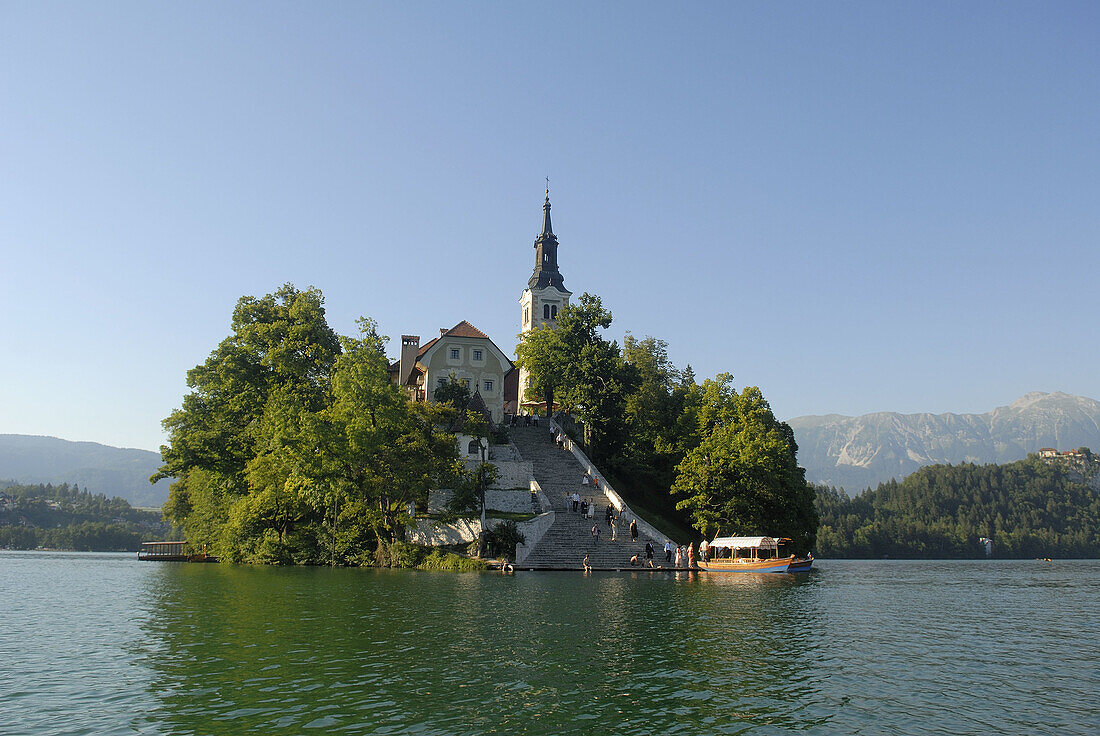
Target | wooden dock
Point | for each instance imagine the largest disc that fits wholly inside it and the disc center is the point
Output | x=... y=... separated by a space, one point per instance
x=172 y=552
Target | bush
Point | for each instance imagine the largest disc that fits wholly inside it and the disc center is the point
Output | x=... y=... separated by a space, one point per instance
x=414 y=556
x=502 y=540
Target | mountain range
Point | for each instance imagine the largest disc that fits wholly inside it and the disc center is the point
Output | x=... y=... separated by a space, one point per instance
x=112 y=471
x=847 y=452
x=855 y=453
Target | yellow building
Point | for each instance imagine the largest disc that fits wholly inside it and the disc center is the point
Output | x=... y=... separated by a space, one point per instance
x=463 y=350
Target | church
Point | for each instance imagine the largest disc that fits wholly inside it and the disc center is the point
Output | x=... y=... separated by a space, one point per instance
x=495 y=383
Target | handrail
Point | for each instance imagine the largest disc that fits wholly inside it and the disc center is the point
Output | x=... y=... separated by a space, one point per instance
x=644 y=527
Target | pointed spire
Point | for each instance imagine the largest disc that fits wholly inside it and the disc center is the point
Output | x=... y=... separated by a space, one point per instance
x=546 y=227
x=546 y=253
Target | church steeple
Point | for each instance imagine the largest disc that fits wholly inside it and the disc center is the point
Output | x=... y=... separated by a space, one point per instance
x=546 y=228
x=546 y=255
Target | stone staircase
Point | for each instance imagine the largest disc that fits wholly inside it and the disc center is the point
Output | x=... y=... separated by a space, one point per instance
x=566 y=542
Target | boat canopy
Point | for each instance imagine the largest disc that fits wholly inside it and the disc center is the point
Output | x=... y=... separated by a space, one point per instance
x=745 y=542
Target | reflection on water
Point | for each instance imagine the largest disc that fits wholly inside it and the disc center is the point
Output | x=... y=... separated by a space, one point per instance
x=871 y=647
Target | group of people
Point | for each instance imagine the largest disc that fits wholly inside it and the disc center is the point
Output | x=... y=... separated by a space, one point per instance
x=557 y=437
x=527 y=420
x=612 y=519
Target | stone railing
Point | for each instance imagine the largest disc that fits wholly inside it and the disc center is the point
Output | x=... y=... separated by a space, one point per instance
x=645 y=529
x=534 y=529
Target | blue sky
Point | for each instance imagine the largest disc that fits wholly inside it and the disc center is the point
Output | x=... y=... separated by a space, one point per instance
x=856 y=206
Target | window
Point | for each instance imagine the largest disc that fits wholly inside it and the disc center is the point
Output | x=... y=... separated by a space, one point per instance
x=477 y=355
x=466 y=382
x=454 y=353
x=526 y=315
x=554 y=312
x=488 y=385
x=546 y=311
x=473 y=447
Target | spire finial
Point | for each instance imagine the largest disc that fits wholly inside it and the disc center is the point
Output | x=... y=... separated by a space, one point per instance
x=546 y=227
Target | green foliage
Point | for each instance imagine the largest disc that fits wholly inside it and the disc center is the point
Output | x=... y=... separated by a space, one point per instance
x=453 y=392
x=65 y=517
x=399 y=554
x=1028 y=508
x=469 y=491
x=501 y=540
x=743 y=476
x=293 y=446
x=652 y=428
x=574 y=366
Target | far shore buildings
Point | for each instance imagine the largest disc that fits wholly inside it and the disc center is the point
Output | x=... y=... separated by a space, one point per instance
x=472 y=356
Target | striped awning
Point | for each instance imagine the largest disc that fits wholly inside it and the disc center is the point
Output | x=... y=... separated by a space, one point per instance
x=745 y=542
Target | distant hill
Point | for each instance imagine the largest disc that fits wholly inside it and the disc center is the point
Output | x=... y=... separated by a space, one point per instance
x=112 y=471
x=855 y=453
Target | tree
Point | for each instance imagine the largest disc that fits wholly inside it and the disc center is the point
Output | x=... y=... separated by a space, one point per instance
x=743 y=476
x=294 y=446
x=542 y=354
x=280 y=352
x=453 y=392
x=575 y=366
x=471 y=486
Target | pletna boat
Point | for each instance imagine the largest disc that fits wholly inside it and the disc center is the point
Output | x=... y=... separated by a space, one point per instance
x=745 y=554
x=798 y=564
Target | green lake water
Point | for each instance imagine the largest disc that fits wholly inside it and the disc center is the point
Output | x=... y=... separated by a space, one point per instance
x=104 y=644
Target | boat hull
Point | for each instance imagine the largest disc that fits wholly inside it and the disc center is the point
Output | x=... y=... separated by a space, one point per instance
x=801 y=564
x=734 y=566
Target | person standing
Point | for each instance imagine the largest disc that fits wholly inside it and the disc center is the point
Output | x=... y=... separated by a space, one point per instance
x=610 y=514
x=596 y=533
x=649 y=550
x=584 y=480
x=703 y=550
x=585 y=564
x=576 y=501
x=633 y=530
x=691 y=555
x=613 y=527
x=679 y=556
x=668 y=550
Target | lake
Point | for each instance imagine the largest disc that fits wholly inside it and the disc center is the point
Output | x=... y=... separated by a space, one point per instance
x=104 y=644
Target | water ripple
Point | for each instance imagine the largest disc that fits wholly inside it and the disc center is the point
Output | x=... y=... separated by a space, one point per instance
x=103 y=644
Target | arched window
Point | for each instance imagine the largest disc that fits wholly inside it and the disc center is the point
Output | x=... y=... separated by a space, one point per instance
x=473 y=447
x=554 y=312
x=546 y=311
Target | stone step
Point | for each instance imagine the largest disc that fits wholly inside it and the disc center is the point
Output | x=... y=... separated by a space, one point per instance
x=569 y=539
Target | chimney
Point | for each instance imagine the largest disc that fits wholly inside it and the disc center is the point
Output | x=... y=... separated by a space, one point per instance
x=410 y=346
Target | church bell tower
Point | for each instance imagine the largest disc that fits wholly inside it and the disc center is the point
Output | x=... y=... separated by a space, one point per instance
x=545 y=294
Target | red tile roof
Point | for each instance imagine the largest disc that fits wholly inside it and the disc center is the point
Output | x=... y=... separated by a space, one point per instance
x=464 y=329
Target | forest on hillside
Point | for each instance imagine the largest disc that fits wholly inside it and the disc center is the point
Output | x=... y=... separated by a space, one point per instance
x=1030 y=508
x=66 y=517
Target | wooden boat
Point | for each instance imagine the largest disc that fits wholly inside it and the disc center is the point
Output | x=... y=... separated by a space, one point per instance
x=801 y=564
x=745 y=554
x=798 y=564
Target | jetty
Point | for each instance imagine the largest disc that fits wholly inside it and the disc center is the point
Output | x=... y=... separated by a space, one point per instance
x=172 y=552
